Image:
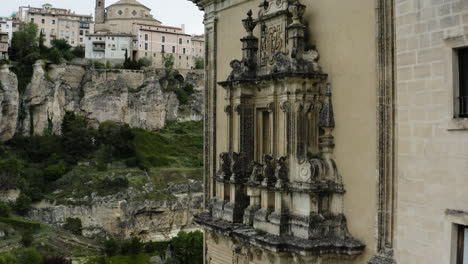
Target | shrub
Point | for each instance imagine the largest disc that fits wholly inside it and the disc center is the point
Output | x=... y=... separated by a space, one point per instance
x=27 y=238
x=73 y=225
x=23 y=204
x=77 y=138
x=188 y=247
x=8 y=258
x=168 y=61
x=79 y=52
x=199 y=63
x=29 y=256
x=111 y=247
x=56 y=260
x=55 y=56
x=118 y=136
x=132 y=246
x=5 y=209
x=55 y=171
x=99 y=65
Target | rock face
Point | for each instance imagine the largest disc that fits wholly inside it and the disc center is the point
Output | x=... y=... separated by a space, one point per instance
x=138 y=98
x=9 y=103
x=124 y=216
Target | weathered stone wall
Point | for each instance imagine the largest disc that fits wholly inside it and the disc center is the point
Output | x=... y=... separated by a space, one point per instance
x=432 y=145
x=134 y=97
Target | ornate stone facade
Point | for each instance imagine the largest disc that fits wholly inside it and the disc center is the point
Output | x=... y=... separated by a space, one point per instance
x=278 y=185
x=295 y=121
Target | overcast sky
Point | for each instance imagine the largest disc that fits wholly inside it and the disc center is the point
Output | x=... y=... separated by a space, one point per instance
x=170 y=12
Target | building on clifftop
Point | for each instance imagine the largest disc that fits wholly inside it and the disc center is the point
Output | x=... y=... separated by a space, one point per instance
x=58 y=23
x=151 y=39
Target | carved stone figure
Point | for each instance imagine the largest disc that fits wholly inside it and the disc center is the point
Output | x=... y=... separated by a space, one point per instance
x=237 y=167
x=281 y=170
x=257 y=172
x=268 y=170
x=224 y=165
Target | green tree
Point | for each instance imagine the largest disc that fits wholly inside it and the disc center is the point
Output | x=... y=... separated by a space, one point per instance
x=111 y=247
x=132 y=246
x=168 y=60
x=77 y=139
x=24 y=51
x=29 y=256
x=55 y=171
x=199 y=63
x=118 y=136
x=5 y=209
x=79 y=52
x=73 y=225
x=61 y=44
x=188 y=247
x=10 y=170
x=23 y=204
x=55 y=56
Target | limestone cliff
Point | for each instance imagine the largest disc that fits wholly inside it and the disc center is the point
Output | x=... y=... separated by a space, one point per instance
x=139 y=98
x=9 y=103
x=127 y=215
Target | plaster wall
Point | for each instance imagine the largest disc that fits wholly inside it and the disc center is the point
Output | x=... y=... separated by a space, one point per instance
x=432 y=145
x=345 y=35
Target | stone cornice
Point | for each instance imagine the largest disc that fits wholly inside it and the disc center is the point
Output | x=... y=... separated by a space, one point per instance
x=216 y=5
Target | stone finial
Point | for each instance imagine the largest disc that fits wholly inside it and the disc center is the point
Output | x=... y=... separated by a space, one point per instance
x=327 y=117
x=297 y=10
x=249 y=23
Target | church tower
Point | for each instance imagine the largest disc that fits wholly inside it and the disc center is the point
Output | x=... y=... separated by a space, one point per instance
x=100 y=12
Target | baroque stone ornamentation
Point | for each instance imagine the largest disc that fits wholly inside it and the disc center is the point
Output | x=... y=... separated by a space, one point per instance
x=289 y=197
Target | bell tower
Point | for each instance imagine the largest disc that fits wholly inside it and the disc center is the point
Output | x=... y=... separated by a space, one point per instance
x=100 y=11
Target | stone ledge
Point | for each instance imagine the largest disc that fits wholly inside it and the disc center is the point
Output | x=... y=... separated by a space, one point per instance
x=381 y=259
x=305 y=247
x=457 y=124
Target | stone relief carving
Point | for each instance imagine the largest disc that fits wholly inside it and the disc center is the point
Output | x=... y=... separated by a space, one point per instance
x=271 y=43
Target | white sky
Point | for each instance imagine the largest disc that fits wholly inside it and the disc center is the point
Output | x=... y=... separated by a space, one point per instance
x=169 y=12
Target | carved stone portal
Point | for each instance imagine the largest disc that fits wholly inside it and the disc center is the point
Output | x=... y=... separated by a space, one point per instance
x=278 y=183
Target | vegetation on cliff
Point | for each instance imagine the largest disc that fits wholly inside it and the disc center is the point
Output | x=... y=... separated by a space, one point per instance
x=39 y=165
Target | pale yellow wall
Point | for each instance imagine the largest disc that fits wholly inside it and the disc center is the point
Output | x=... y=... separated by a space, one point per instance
x=345 y=35
x=432 y=145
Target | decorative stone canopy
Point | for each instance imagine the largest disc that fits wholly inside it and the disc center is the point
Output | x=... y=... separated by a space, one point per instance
x=278 y=185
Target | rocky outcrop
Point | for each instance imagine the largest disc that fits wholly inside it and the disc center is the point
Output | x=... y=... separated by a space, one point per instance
x=138 y=98
x=125 y=215
x=9 y=103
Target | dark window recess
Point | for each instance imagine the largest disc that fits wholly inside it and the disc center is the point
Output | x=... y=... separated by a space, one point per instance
x=146 y=36
x=184 y=51
x=173 y=49
x=163 y=39
x=462 y=245
x=146 y=46
x=462 y=100
x=162 y=49
x=180 y=41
